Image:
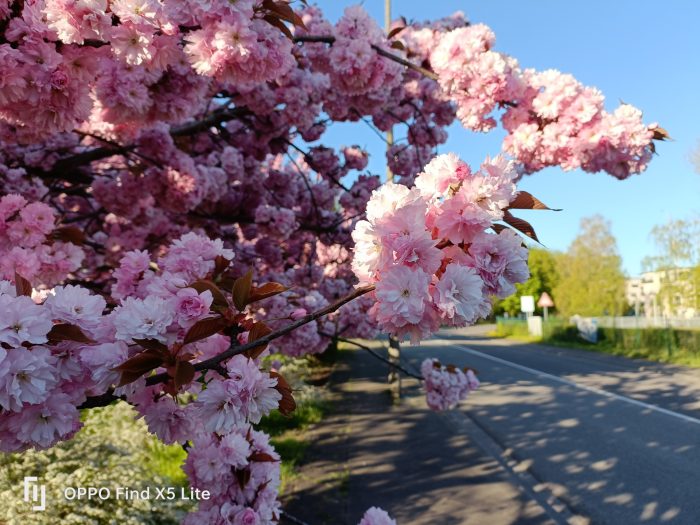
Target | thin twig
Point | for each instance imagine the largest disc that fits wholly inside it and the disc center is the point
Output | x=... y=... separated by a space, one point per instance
x=386 y=54
x=291 y=518
x=377 y=355
x=214 y=362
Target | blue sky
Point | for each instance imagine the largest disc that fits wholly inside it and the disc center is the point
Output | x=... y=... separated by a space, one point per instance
x=645 y=53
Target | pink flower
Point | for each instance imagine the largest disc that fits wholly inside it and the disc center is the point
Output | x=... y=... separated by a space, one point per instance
x=235 y=449
x=75 y=305
x=147 y=318
x=26 y=377
x=22 y=321
x=220 y=406
x=441 y=173
x=38 y=217
x=191 y=306
x=246 y=516
x=132 y=43
x=42 y=426
x=256 y=390
x=172 y=423
x=132 y=268
x=446 y=386
x=297 y=314
x=500 y=260
x=459 y=220
x=135 y=11
x=75 y=21
x=402 y=293
x=100 y=361
x=376 y=516
x=458 y=294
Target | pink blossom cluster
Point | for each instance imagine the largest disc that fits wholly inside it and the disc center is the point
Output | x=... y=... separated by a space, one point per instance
x=376 y=516
x=427 y=252
x=40 y=385
x=551 y=118
x=26 y=244
x=241 y=471
x=125 y=63
x=181 y=142
x=63 y=346
x=446 y=386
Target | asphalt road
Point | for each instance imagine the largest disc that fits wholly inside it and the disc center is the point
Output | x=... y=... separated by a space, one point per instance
x=616 y=440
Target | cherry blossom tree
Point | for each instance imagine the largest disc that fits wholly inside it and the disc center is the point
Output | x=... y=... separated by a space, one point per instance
x=170 y=215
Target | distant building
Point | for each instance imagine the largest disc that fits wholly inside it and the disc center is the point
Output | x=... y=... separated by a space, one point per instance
x=663 y=293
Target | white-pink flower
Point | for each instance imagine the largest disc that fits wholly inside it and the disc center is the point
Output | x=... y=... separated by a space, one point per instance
x=402 y=293
x=220 y=407
x=376 y=516
x=75 y=305
x=446 y=386
x=458 y=294
x=147 y=318
x=190 y=306
x=26 y=377
x=23 y=321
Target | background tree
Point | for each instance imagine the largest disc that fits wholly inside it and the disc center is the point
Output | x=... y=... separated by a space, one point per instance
x=677 y=254
x=544 y=277
x=591 y=281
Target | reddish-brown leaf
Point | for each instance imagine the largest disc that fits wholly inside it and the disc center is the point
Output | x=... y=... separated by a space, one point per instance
x=128 y=376
x=262 y=457
x=70 y=234
x=258 y=293
x=279 y=24
x=152 y=344
x=204 y=328
x=498 y=228
x=258 y=330
x=398 y=45
x=22 y=286
x=67 y=332
x=220 y=301
x=138 y=365
x=526 y=201
x=287 y=404
x=241 y=290
x=660 y=134
x=220 y=264
x=183 y=374
x=243 y=477
x=395 y=32
x=521 y=225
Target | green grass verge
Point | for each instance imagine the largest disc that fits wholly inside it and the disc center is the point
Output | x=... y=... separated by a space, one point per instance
x=289 y=438
x=664 y=345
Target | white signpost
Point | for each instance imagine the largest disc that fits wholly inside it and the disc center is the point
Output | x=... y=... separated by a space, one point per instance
x=527 y=304
x=534 y=322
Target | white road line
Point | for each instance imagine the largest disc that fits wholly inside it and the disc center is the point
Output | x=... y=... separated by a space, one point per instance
x=594 y=390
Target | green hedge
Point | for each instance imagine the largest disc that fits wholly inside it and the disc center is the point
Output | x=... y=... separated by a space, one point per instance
x=657 y=344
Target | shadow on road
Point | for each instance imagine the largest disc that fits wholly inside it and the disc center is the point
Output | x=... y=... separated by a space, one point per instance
x=403 y=458
x=610 y=459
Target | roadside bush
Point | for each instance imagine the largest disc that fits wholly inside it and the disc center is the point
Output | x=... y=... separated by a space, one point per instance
x=112 y=450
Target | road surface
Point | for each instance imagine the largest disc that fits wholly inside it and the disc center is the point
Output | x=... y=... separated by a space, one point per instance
x=616 y=440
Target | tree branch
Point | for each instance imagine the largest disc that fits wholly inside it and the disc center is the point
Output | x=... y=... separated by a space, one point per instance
x=214 y=118
x=377 y=355
x=214 y=362
x=383 y=52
